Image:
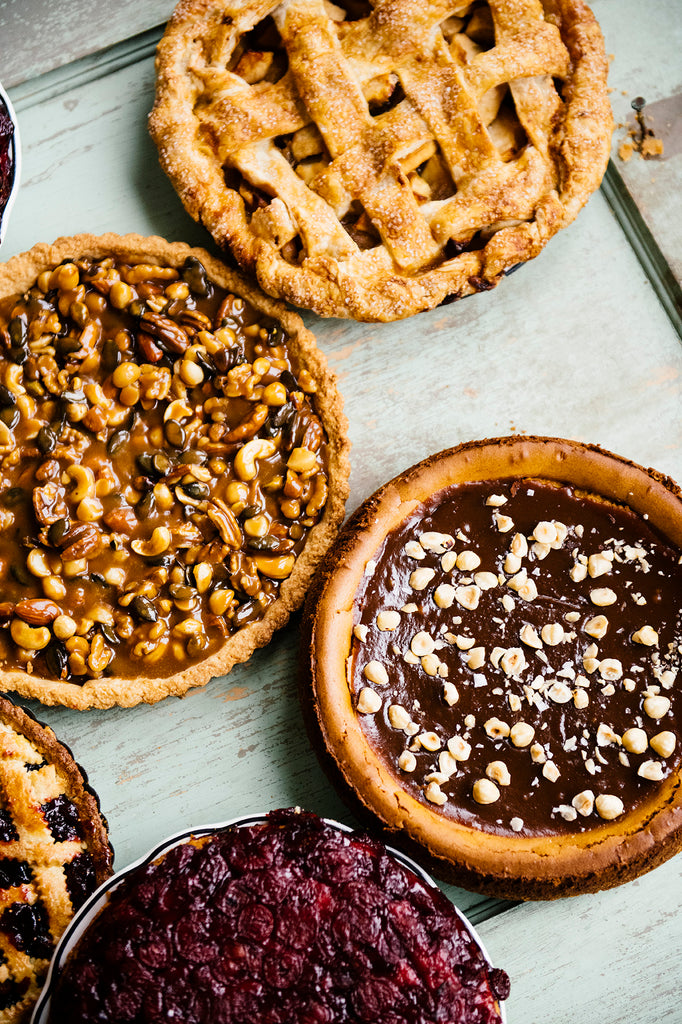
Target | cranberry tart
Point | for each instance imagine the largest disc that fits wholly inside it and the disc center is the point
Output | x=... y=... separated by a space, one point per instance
x=54 y=852
x=370 y=160
x=281 y=919
x=494 y=654
x=173 y=463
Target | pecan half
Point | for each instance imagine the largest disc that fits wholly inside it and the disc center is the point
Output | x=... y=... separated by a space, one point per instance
x=49 y=504
x=80 y=541
x=165 y=331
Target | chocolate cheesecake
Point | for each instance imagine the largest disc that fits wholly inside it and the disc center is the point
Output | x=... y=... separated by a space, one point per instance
x=495 y=649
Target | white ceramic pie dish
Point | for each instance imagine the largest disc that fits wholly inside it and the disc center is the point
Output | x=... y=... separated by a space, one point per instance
x=15 y=148
x=91 y=908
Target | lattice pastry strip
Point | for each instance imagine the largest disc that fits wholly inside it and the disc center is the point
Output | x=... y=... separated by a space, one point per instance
x=373 y=143
x=53 y=852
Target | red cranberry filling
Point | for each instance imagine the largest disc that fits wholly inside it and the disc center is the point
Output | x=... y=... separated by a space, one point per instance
x=289 y=922
x=6 y=170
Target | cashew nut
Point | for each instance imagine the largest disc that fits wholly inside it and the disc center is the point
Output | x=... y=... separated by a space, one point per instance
x=29 y=637
x=277 y=568
x=36 y=563
x=156 y=545
x=177 y=410
x=245 y=459
x=84 y=479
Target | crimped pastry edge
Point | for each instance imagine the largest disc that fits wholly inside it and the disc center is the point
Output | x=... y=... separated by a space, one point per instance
x=16 y=276
x=522 y=868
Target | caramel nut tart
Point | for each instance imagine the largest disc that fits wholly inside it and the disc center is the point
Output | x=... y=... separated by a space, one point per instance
x=173 y=464
x=275 y=920
x=54 y=852
x=370 y=160
x=495 y=649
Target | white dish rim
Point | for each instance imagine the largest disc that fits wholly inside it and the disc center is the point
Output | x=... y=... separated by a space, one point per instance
x=16 y=162
x=85 y=914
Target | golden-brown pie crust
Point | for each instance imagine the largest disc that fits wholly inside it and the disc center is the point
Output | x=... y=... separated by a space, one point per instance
x=22 y=793
x=18 y=274
x=511 y=867
x=207 y=119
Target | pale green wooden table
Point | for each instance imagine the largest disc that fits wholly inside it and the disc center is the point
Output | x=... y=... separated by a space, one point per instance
x=582 y=343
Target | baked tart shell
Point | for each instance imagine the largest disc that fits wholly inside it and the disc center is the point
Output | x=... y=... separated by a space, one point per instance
x=517 y=867
x=19 y=274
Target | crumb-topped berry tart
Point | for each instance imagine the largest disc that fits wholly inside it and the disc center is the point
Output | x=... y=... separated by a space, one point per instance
x=371 y=159
x=495 y=652
x=281 y=919
x=54 y=852
x=173 y=463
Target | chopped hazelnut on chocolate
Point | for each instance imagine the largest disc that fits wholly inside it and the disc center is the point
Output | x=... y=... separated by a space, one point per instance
x=422 y=643
x=663 y=743
x=388 y=621
x=584 y=802
x=521 y=734
x=646 y=635
x=369 y=702
x=485 y=791
x=598 y=565
x=550 y=771
x=609 y=806
x=602 y=597
x=499 y=773
x=376 y=673
x=656 y=707
x=421 y=578
x=651 y=770
x=407 y=761
x=496 y=729
x=597 y=626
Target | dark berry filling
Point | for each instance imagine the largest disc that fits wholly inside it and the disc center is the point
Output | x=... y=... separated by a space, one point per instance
x=62 y=819
x=28 y=927
x=13 y=872
x=289 y=922
x=80 y=879
x=6 y=169
x=8 y=833
x=12 y=992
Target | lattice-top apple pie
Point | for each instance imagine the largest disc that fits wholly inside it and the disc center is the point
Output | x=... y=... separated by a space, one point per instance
x=370 y=160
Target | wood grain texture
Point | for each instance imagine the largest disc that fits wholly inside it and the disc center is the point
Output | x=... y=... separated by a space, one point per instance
x=589 y=959
x=39 y=36
x=575 y=344
x=646 y=46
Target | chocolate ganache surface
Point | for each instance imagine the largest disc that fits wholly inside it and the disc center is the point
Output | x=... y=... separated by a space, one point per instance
x=515 y=654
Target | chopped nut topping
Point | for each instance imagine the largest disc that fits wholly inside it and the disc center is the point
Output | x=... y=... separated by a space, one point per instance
x=584 y=802
x=550 y=771
x=603 y=597
x=610 y=668
x=578 y=572
x=436 y=542
x=529 y=636
x=467 y=561
x=512 y=563
x=476 y=658
x=553 y=634
x=606 y=735
x=468 y=597
x=459 y=748
x=485 y=791
x=635 y=740
x=450 y=694
x=485 y=580
x=369 y=701
x=663 y=743
x=597 y=626
x=560 y=693
x=652 y=770
x=516 y=824
x=421 y=578
x=609 y=806
x=499 y=773
x=444 y=595
x=407 y=761
x=646 y=635
x=413 y=549
x=496 y=729
x=398 y=716
x=435 y=795
x=504 y=523
x=545 y=533
x=537 y=752
x=449 y=561
x=422 y=644
x=521 y=734
x=431 y=664
x=656 y=707
x=376 y=673
x=513 y=661
x=388 y=621
x=429 y=740
x=580 y=699
x=598 y=565
x=496 y=500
